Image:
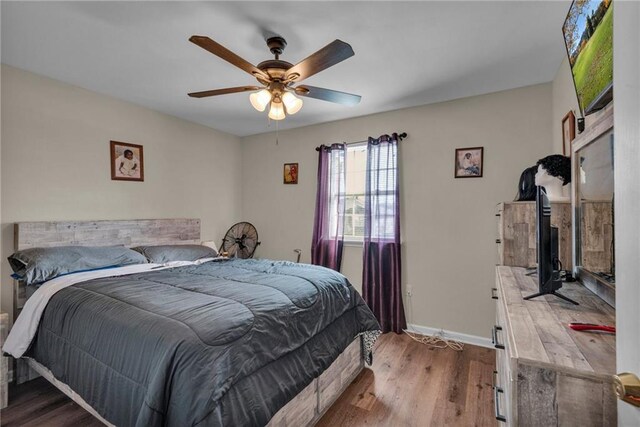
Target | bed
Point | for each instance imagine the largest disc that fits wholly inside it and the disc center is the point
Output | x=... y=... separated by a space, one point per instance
x=234 y=342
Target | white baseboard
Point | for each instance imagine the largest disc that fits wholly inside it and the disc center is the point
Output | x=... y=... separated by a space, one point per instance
x=457 y=336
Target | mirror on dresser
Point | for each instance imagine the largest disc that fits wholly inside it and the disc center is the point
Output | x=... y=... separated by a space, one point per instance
x=593 y=195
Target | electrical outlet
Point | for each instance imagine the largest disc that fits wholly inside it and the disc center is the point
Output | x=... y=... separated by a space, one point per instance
x=409 y=290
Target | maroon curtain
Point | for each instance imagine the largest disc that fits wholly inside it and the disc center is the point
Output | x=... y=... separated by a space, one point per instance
x=328 y=227
x=381 y=276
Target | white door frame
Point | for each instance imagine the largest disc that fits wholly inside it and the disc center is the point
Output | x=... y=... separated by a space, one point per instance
x=626 y=111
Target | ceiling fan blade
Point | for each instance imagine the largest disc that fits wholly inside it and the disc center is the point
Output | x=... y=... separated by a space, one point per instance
x=333 y=53
x=328 y=95
x=224 y=53
x=225 y=91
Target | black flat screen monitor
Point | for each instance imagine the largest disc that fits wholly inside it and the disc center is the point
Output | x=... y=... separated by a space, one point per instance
x=547 y=244
x=549 y=280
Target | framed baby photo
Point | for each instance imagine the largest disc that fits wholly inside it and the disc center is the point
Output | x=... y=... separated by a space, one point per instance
x=469 y=162
x=290 y=173
x=127 y=162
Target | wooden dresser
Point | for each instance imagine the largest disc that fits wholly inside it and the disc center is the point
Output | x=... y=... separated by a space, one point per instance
x=4 y=361
x=548 y=374
x=516 y=239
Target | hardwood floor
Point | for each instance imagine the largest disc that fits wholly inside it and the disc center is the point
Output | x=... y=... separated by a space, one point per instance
x=39 y=403
x=409 y=384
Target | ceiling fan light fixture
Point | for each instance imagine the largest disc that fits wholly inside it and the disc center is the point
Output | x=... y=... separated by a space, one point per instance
x=260 y=99
x=291 y=102
x=277 y=76
x=277 y=111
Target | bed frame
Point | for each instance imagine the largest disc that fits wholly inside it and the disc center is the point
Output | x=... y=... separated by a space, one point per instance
x=304 y=409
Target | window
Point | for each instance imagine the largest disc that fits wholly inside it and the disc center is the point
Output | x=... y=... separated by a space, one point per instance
x=384 y=199
x=356 y=162
x=352 y=193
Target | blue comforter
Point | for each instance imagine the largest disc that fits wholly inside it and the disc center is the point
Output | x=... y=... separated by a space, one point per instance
x=222 y=343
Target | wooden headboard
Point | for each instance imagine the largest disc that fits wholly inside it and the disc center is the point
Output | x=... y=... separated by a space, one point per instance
x=129 y=233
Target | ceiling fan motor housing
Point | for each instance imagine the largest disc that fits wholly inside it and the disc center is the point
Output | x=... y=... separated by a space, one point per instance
x=276 y=45
x=275 y=68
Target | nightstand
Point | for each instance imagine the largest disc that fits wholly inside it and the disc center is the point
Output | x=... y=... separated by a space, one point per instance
x=4 y=361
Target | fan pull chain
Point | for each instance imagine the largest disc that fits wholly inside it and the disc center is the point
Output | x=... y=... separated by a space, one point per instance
x=269 y=125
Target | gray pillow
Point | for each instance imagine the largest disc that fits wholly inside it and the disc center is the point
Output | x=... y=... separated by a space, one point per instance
x=38 y=265
x=167 y=253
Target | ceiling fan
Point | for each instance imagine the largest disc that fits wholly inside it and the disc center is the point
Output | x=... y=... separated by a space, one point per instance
x=278 y=77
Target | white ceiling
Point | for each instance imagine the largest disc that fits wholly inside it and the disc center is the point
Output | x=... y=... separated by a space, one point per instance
x=407 y=53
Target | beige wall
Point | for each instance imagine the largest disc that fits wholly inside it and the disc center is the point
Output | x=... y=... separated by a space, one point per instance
x=564 y=99
x=55 y=166
x=55 y=162
x=448 y=224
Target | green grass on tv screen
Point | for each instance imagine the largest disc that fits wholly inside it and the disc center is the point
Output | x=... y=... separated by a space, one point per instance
x=593 y=69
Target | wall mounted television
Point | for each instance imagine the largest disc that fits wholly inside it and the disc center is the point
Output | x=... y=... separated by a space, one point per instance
x=588 y=37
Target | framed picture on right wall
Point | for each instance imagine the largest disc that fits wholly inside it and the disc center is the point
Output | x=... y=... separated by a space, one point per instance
x=469 y=162
x=568 y=133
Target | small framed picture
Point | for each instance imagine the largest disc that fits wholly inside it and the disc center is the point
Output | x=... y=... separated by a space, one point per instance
x=468 y=162
x=568 y=133
x=290 y=173
x=127 y=162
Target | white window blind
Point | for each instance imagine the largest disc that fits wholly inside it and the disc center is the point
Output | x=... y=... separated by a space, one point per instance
x=383 y=162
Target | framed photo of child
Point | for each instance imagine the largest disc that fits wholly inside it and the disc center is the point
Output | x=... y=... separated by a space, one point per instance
x=469 y=162
x=127 y=162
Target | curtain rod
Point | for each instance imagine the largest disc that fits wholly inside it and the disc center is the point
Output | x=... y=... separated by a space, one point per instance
x=401 y=136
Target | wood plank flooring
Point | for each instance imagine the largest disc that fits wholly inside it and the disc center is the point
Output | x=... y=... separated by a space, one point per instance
x=409 y=384
x=39 y=403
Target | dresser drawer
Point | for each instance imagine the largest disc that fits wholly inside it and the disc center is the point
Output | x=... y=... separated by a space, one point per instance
x=499 y=234
x=4 y=361
x=503 y=387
